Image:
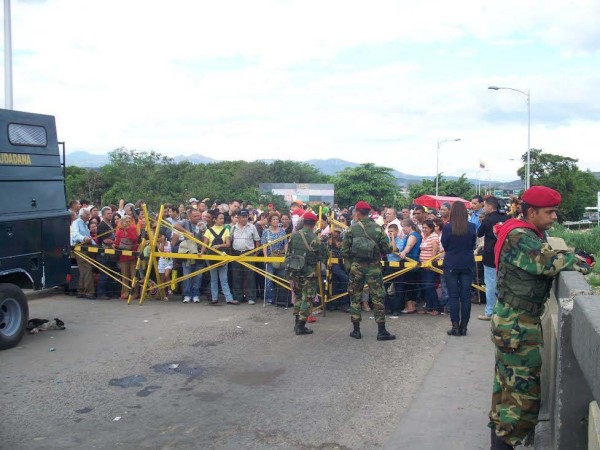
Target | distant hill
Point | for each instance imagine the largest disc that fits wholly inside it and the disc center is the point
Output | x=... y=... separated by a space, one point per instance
x=196 y=159
x=85 y=159
x=327 y=166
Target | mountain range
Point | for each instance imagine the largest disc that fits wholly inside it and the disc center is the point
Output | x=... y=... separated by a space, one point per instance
x=326 y=166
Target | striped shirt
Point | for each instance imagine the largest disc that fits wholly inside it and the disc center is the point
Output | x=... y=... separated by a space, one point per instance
x=427 y=247
x=242 y=239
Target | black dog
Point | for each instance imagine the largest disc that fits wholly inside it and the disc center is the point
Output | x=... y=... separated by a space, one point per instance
x=36 y=325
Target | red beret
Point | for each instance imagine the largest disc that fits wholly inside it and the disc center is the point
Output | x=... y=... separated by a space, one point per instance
x=541 y=197
x=363 y=205
x=310 y=216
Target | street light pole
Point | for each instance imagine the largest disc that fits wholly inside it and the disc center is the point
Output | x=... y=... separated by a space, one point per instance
x=437 y=163
x=8 y=81
x=528 y=101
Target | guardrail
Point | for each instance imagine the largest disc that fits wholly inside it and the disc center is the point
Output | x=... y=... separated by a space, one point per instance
x=569 y=415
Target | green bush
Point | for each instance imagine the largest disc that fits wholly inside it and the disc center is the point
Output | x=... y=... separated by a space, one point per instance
x=587 y=240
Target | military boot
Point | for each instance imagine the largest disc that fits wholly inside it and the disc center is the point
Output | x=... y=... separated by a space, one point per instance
x=455 y=330
x=356 y=332
x=296 y=323
x=498 y=443
x=301 y=328
x=383 y=334
x=463 y=327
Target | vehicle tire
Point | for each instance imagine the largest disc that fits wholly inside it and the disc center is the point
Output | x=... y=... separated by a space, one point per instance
x=14 y=314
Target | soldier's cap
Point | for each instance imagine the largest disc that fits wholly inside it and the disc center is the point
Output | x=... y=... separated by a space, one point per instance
x=193 y=200
x=363 y=205
x=310 y=216
x=541 y=197
x=244 y=212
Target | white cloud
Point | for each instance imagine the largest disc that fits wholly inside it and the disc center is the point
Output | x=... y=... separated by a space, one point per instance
x=267 y=79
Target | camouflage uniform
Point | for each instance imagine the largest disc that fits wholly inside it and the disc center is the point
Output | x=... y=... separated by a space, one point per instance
x=305 y=280
x=365 y=271
x=526 y=268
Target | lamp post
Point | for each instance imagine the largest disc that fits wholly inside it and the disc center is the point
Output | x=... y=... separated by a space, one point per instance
x=527 y=100
x=437 y=164
x=8 y=80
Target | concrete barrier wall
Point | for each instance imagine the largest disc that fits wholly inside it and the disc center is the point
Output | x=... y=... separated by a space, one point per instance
x=571 y=370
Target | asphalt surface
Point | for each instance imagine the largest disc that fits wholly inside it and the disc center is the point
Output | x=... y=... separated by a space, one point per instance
x=217 y=377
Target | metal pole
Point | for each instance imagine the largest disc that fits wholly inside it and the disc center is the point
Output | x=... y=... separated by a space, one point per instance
x=8 y=87
x=528 y=168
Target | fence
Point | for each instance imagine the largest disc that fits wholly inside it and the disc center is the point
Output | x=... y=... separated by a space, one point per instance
x=147 y=263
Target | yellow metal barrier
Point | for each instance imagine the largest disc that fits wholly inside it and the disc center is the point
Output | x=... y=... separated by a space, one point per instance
x=219 y=259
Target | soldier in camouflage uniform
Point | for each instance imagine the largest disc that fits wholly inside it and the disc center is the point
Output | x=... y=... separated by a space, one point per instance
x=365 y=267
x=304 y=277
x=526 y=267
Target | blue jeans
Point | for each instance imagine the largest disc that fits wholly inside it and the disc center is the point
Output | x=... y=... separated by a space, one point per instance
x=427 y=279
x=216 y=275
x=489 y=277
x=459 y=289
x=191 y=286
x=269 y=285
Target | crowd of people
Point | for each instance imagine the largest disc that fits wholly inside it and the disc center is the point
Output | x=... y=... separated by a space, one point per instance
x=510 y=238
x=418 y=234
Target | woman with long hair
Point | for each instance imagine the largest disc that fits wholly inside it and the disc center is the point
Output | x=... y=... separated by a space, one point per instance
x=459 y=238
x=286 y=223
x=217 y=237
x=430 y=246
x=411 y=249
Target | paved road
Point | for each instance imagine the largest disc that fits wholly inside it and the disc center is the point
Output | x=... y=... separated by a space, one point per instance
x=199 y=376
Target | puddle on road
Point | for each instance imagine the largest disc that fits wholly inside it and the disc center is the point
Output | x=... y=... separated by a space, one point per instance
x=127 y=382
x=255 y=378
x=84 y=410
x=147 y=391
x=179 y=368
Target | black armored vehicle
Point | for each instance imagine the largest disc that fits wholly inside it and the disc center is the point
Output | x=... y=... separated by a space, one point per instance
x=34 y=220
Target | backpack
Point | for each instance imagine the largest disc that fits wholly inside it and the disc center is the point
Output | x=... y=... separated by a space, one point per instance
x=297 y=256
x=217 y=238
x=363 y=246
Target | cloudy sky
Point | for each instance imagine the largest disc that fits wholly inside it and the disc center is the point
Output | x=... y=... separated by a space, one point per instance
x=379 y=81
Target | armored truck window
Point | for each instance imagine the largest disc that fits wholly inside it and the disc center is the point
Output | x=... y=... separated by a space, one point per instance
x=31 y=135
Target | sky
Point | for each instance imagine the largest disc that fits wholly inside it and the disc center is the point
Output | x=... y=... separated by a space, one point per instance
x=380 y=82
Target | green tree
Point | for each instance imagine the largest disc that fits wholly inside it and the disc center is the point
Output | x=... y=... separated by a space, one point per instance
x=460 y=187
x=577 y=188
x=373 y=184
x=84 y=183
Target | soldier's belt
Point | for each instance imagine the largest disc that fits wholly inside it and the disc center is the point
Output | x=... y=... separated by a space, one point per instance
x=532 y=308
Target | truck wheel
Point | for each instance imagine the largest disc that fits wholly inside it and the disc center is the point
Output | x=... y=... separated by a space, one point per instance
x=14 y=314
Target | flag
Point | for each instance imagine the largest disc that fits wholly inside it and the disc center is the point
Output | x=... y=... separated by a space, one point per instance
x=481 y=165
